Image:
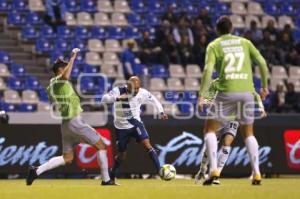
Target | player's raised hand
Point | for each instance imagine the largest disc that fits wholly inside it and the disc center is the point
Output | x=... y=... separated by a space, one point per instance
x=264 y=93
x=75 y=51
x=201 y=103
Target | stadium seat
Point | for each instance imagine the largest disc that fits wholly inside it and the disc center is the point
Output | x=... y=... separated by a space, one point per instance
x=5 y=6
x=47 y=32
x=93 y=58
x=43 y=107
x=116 y=33
x=82 y=33
x=81 y=44
x=175 y=84
x=157 y=7
x=104 y=6
x=152 y=20
x=112 y=45
x=118 y=19
x=7 y=107
x=283 y=20
x=294 y=72
x=17 y=70
x=186 y=108
x=135 y=19
x=87 y=85
x=296 y=84
x=272 y=9
x=2 y=85
x=30 y=97
x=87 y=68
x=157 y=84
x=101 y=19
x=43 y=95
x=15 y=19
x=27 y=107
x=237 y=21
x=254 y=8
x=191 y=84
x=62 y=45
x=173 y=96
x=70 y=19
x=75 y=72
x=121 y=6
x=176 y=70
x=11 y=96
x=95 y=45
x=4 y=58
x=109 y=70
x=88 y=6
x=34 y=18
x=193 y=71
x=110 y=58
x=132 y=33
x=250 y=18
x=288 y=9
x=32 y=83
x=4 y=72
x=71 y=6
x=223 y=9
x=99 y=33
x=267 y=18
x=139 y=7
x=29 y=33
x=43 y=46
x=274 y=82
x=20 y=5
x=80 y=58
x=238 y=8
x=171 y=109
x=159 y=71
x=84 y=19
x=191 y=96
x=65 y=32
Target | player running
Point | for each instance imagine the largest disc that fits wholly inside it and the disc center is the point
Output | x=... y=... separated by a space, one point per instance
x=231 y=56
x=127 y=101
x=73 y=128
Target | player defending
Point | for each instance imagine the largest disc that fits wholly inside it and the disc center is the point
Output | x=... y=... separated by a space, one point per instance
x=231 y=57
x=73 y=128
x=127 y=107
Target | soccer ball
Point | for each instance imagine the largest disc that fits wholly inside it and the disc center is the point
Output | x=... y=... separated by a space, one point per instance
x=167 y=172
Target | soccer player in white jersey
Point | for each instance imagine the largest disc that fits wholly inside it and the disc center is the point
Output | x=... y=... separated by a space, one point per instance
x=128 y=100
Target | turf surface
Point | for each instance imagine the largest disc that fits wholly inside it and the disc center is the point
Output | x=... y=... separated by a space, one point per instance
x=154 y=189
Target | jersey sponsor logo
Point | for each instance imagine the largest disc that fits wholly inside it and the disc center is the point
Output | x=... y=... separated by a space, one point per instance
x=189 y=147
x=229 y=42
x=14 y=155
x=87 y=155
x=292 y=148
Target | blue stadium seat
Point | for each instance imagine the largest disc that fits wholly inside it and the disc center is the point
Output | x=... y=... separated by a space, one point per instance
x=65 y=32
x=72 y=6
x=135 y=19
x=157 y=7
x=29 y=33
x=5 y=6
x=160 y=71
x=87 y=68
x=151 y=30
x=43 y=95
x=138 y=6
x=222 y=9
x=191 y=10
x=15 y=84
x=272 y=9
x=82 y=33
x=27 y=108
x=288 y=9
x=132 y=33
x=191 y=96
x=43 y=46
x=186 y=109
x=4 y=58
x=32 y=83
x=88 y=6
x=297 y=35
x=79 y=59
x=115 y=33
x=55 y=55
x=81 y=44
x=87 y=85
x=15 y=19
x=99 y=32
x=47 y=32
x=17 y=70
x=20 y=5
x=139 y=69
x=34 y=18
x=172 y=96
x=62 y=45
x=9 y=107
x=75 y=72
x=152 y=20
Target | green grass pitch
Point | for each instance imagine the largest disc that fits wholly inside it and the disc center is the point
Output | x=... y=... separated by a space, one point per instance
x=154 y=189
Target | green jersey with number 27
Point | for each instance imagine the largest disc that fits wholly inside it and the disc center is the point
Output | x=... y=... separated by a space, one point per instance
x=231 y=56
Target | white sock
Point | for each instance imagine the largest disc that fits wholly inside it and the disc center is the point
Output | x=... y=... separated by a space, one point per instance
x=223 y=156
x=51 y=164
x=211 y=148
x=102 y=159
x=252 y=148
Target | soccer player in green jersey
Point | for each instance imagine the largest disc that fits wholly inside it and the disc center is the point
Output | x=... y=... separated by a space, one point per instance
x=231 y=57
x=73 y=128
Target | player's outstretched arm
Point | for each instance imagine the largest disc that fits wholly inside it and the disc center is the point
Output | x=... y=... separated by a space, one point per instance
x=263 y=69
x=111 y=97
x=67 y=71
x=149 y=98
x=210 y=61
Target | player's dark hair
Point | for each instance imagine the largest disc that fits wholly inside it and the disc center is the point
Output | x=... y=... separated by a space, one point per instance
x=224 y=25
x=59 y=63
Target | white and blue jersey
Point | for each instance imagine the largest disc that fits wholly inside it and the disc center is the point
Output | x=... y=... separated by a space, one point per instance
x=127 y=119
